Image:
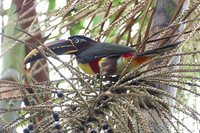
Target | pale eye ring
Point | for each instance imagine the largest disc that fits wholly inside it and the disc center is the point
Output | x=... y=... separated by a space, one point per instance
x=76 y=40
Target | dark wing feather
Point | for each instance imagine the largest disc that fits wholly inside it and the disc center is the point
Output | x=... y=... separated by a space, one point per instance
x=100 y=50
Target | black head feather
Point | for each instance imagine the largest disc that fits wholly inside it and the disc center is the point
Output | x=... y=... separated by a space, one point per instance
x=82 y=42
x=81 y=38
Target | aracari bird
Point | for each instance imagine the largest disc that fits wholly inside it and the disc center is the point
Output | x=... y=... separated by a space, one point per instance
x=99 y=57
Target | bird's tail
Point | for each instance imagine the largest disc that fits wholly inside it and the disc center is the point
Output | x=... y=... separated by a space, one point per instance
x=158 y=51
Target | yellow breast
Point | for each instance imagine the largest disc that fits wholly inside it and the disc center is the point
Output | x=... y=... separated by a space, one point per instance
x=86 y=68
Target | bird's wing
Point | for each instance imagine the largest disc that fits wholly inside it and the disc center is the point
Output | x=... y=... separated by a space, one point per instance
x=101 y=50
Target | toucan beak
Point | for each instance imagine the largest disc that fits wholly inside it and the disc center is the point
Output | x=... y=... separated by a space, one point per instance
x=59 y=47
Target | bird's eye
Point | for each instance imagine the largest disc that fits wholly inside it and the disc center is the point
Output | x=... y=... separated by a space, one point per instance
x=76 y=40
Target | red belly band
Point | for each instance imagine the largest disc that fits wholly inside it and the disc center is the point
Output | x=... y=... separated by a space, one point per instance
x=95 y=66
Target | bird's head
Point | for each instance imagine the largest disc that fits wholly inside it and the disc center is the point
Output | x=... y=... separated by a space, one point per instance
x=73 y=45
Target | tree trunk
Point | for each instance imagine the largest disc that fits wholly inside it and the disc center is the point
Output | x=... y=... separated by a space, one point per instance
x=165 y=11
